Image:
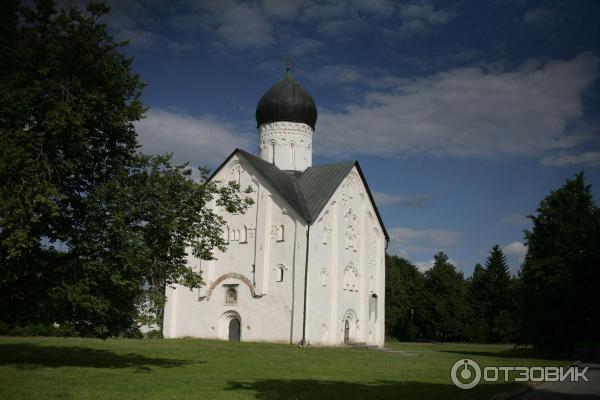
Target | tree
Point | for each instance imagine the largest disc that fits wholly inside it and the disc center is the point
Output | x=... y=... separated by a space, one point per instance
x=492 y=300
x=403 y=299
x=561 y=272
x=85 y=221
x=500 y=314
x=478 y=326
x=177 y=222
x=446 y=306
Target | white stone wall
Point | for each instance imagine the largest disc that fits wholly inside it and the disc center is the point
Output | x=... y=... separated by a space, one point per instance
x=346 y=267
x=286 y=144
x=264 y=236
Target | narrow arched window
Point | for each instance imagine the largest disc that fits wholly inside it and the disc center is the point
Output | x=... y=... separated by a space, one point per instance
x=292 y=155
x=373 y=307
x=226 y=235
x=324 y=276
x=280 y=233
x=244 y=235
x=272 y=152
x=280 y=274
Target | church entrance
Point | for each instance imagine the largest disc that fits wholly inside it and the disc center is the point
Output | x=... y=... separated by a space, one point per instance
x=350 y=326
x=346 y=330
x=234 y=330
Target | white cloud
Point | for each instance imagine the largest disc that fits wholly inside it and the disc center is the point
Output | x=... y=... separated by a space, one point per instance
x=425 y=12
x=388 y=199
x=427 y=265
x=241 y=24
x=238 y=24
x=336 y=74
x=517 y=250
x=139 y=38
x=281 y=9
x=419 y=18
x=337 y=9
x=467 y=112
x=409 y=241
x=438 y=237
x=340 y=26
x=305 y=46
x=589 y=158
x=200 y=140
x=424 y=265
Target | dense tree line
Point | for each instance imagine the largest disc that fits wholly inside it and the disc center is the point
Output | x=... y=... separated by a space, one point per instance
x=91 y=231
x=551 y=303
x=442 y=305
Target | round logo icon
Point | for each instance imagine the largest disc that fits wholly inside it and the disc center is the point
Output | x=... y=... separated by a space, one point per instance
x=465 y=373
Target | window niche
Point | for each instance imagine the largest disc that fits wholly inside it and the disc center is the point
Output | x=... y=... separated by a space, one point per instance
x=350 y=278
x=280 y=233
x=280 y=272
x=244 y=235
x=272 y=152
x=324 y=276
x=292 y=155
x=231 y=294
x=226 y=235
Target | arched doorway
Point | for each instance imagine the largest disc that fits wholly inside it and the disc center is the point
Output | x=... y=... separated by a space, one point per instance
x=346 y=330
x=230 y=326
x=234 y=330
x=350 y=326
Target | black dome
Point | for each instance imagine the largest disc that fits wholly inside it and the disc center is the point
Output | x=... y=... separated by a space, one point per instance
x=286 y=101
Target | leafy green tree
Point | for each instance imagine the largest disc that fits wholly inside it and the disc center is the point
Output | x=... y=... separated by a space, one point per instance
x=173 y=209
x=86 y=223
x=67 y=105
x=446 y=305
x=561 y=272
x=403 y=299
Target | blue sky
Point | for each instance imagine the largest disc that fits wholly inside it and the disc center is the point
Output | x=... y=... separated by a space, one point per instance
x=463 y=115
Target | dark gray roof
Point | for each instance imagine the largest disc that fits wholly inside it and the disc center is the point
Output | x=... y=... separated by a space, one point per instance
x=286 y=101
x=317 y=184
x=307 y=192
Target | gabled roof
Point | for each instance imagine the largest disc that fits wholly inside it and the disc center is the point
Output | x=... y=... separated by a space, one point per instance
x=307 y=192
x=317 y=184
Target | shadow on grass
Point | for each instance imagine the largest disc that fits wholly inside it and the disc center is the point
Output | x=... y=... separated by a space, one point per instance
x=315 y=389
x=30 y=356
x=517 y=352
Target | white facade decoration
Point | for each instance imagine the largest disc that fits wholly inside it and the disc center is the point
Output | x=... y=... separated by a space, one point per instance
x=288 y=145
x=256 y=290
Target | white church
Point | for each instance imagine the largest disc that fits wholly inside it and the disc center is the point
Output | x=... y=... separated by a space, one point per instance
x=305 y=263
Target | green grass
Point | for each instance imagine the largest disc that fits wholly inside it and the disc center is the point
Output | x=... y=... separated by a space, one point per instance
x=73 y=368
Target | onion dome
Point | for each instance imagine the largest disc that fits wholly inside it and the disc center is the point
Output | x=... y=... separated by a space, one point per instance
x=286 y=101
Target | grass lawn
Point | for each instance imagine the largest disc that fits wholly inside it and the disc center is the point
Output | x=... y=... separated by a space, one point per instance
x=72 y=368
